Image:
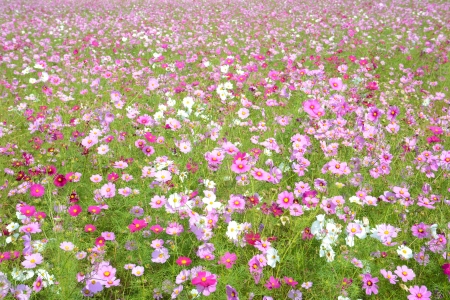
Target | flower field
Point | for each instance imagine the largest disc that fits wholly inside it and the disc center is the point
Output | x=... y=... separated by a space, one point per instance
x=225 y=149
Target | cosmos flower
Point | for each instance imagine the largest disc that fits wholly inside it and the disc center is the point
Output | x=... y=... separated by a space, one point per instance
x=37 y=190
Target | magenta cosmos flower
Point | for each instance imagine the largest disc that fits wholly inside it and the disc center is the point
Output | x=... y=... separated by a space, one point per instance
x=156 y=228
x=272 y=283
x=419 y=293
x=205 y=282
x=150 y=137
x=36 y=190
x=27 y=210
x=137 y=225
x=446 y=269
x=183 y=261
x=370 y=284
x=75 y=210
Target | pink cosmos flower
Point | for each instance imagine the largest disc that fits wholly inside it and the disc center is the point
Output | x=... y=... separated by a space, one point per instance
x=145 y=120
x=240 y=166
x=156 y=228
x=388 y=275
x=96 y=178
x=174 y=229
x=89 y=228
x=148 y=150
x=138 y=271
x=336 y=84
x=313 y=108
x=67 y=246
x=163 y=176
x=107 y=272
x=232 y=294
x=290 y=281
x=37 y=285
x=36 y=190
x=185 y=147
x=94 y=210
x=436 y=130
x=259 y=174
x=160 y=255
x=108 y=236
x=263 y=246
x=236 y=202
x=272 y=283
x=125 y=191
x=152 y=84
x=373 y=86
x=285 y=199
x=446 y=269
x=158 y=201
x=228 y=259
x=419 y=293
x=296 y=210
x=31 y=261
x=405 y=273
x=33 y=227
x=89 y=141
x=108 y=190
x=370 y=284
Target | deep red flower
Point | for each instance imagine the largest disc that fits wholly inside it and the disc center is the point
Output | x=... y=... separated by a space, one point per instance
x=60 y=180
x=252 y=237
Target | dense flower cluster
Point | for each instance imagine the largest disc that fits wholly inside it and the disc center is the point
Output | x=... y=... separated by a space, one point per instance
x=224 y=149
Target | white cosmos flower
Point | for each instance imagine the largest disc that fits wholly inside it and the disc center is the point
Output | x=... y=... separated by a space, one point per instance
x=232 y=230
x=209 y=183
x=211 y=204
x=224 y=68
x=209 y=195
x=11 y=227
x=188 y=102
x=350 y=241
x=317 y=226
x=228 y=85
x=174 y=200
x=44 y=77
x=272 y=257
x=404 y=252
